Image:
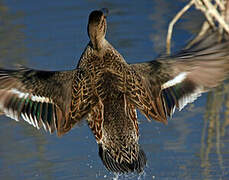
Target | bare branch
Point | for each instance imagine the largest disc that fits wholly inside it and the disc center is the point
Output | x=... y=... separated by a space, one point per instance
x=175 y=19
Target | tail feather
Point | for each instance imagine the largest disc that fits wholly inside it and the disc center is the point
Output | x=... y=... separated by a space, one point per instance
x=114 y=165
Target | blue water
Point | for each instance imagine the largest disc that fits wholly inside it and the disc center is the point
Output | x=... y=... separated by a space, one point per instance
x=51 y=35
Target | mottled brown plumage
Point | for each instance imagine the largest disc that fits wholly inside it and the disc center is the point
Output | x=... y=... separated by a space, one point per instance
x=107 y=91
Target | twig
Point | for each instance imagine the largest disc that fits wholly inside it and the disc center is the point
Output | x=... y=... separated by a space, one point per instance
x=220 y=4
x=175 y=19
x=200 y=6
x=227 y=12
x=213 y=12
x=204 y=29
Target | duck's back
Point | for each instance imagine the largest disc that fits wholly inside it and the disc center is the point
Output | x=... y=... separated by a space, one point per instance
x=113 y=120
x=106 y=72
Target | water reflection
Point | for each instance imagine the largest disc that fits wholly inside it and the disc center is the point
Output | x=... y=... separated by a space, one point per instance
x=215 y=124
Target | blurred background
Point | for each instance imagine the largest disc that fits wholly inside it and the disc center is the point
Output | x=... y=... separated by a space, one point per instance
x=51 y=35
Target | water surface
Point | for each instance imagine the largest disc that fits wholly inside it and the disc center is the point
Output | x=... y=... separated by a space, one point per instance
x=51 y=35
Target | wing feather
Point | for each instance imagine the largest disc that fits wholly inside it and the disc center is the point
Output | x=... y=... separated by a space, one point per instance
x=180 y=79
x=42 y=98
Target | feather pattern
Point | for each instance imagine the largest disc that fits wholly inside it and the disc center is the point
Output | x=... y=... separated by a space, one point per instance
x=180 y=79
x=37 y=111
x=41 y=98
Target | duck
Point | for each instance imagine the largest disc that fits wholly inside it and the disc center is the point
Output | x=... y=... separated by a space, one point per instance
x=106 y=92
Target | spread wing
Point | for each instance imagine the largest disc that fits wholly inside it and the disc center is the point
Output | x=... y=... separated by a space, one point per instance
x=42 y=98
x=178 y=80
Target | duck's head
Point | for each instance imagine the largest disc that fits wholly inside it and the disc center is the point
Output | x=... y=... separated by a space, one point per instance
x=96 y=28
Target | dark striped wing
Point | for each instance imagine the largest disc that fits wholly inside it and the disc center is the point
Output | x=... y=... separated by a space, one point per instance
x=139 y=93
x=42 y=98
x=180 y=79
